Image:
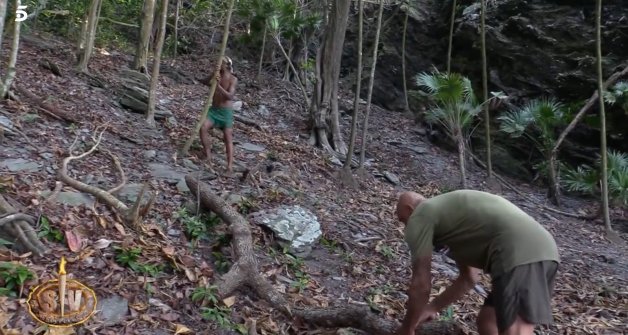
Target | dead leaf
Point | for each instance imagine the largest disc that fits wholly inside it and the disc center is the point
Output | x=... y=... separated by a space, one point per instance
x=102 y=243
x=120 y=228
x=181 y=329
x=74 y=240
x=229 y=301
x=101 y=221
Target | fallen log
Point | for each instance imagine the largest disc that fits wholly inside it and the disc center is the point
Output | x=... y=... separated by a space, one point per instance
x=45 y=107
x=245 y=272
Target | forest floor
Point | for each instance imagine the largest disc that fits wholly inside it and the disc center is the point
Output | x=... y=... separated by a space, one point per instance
x=362 y=258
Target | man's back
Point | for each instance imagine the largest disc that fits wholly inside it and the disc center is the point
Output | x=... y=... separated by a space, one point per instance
x=486 y=231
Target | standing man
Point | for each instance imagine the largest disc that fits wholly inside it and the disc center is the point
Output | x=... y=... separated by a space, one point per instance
x=483 y=231
x=220 y=114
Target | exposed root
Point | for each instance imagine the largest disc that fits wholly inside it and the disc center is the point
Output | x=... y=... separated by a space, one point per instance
x=18 y=228
x=132 y=216
x=245 y=272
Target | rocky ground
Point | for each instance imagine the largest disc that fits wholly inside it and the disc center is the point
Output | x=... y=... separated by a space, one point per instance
x=361 y=258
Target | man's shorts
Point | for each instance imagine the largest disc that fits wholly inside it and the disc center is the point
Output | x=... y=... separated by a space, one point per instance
x=221 y=117
x=526 y=291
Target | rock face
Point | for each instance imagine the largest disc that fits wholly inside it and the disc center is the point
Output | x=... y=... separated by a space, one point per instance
x=535 y=48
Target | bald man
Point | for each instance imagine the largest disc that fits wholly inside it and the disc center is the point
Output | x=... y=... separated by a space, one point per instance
x=483 y=232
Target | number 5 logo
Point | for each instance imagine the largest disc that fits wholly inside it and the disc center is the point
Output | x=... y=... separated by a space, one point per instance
x=21 y=14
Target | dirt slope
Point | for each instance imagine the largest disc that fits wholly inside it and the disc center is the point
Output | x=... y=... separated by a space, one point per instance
x=363 y=258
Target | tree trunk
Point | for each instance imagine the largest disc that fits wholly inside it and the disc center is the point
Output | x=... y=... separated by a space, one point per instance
x=225 y=37
x=451 y=34
x=15 y=45
x=600 y=88
x=356 y=100
x=89 y=30
x=176 y=29
x=365 y=121
x=155 y=27
x=261 y=54
x=403 y=61
x=154 y=78
x=487 y=117
x=3 y=14
x=324 y=107
x=146 y=26
x=463 y=170
x=291 y=66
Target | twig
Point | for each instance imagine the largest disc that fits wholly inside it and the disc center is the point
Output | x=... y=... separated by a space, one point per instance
x=55 y=192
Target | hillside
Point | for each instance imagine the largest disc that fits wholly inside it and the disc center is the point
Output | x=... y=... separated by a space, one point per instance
x=362 y=259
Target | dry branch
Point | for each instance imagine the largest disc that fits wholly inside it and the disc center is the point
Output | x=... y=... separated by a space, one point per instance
x=245 y=272
x=19 y=228
x=132 y=216
x=45 y=107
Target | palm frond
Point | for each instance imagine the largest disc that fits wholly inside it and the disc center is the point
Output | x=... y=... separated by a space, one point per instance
x=616 y=160
x=582 y=179
x=618 y=185
x=515 y=122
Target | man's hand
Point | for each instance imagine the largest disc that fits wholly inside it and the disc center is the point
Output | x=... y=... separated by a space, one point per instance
x=429 y=313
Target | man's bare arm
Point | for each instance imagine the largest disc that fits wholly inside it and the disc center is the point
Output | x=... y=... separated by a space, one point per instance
x=418 y=292
x=466 y=280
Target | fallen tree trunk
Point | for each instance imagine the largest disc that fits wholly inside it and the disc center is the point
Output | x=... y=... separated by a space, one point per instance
x=245 y=272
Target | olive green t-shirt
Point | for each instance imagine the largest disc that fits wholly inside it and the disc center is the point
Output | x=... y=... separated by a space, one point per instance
x=482 y=230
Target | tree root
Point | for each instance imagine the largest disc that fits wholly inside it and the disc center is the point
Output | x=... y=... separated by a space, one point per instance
x=245 y=272
x=45 y=107
x=18 y=228
x=132 y=216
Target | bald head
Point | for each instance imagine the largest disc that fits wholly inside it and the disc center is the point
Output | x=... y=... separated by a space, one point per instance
x=406 y=204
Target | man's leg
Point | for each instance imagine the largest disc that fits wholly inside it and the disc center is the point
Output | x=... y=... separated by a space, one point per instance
x=204 y=134
x=487 y=321
x=228 y=138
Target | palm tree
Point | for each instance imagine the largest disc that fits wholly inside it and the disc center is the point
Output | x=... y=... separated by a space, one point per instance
x=544 y=116
x=454 y=107
x=600 y=88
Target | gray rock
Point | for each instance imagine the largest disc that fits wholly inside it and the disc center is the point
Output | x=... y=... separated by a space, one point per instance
x=71 y=198
x=334 y=160
x=391 y=177
x=129 y=192
x=252 y=147
x=150 y=154
x=296 y=227
x=112 y=310
x=47 y=155
x=174 y=232
x=182 y=186
x=418 y=149
x=20 y=165
x=6 y=122
x=165 y=172
x=262 y=110
x=189 y=164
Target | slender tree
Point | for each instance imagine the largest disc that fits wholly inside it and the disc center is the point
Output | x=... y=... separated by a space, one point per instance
x=365 y=121
x=15 y=45
x=403 y=59
x=88 y=35
x=146 y=26
x=600 y=89
x=452 y=20
x=225 y=37
x=154 y=79
x=3 y=14
x=487 y=117
x=176 y=29
x=347 y=178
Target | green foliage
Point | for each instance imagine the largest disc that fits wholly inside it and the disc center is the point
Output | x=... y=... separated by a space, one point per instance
x=586 y=179
x=129 y=258
x=618 y=95
x=196 y=227
x=209 y=294
x=538 y=120
x=279 y=17
x=14 y=275
x=454 y=104
x=215 y=313
x=51 y=234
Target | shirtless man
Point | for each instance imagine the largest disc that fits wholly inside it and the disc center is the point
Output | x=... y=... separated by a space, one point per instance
x=220 y=114
x=482 y=231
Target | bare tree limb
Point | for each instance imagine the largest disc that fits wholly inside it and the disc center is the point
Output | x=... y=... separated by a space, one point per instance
x=245 y=271
x=131 y=216
x=18 y=226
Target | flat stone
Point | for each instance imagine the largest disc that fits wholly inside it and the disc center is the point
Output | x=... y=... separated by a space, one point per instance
x=71 y=198
x=6 y=122
x=182 y=186
x=418 y=149
x=112 y=310
x=391 y=177
x=165 y=172
x=189 y=164
x=20 y=165
x=150 y=154
x=129 y=192
x=252 y=147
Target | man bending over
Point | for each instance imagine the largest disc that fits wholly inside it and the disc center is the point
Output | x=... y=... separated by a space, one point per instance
x=220 y=114
x=483 y=231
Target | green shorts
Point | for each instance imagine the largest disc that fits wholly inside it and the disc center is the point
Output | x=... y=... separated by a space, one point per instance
x=220 y=117
x=524 y=291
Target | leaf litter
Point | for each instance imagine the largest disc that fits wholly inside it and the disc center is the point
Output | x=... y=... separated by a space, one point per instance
x=363 y=259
